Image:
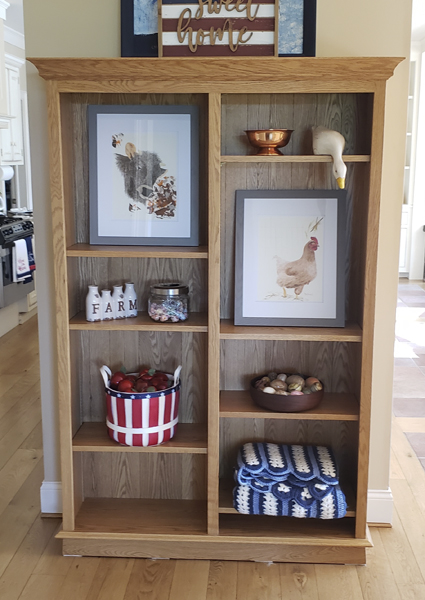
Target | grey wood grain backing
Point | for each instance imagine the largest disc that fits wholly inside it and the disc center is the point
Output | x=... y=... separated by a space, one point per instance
x=153 y=476
x=132 y=349
x=76 y=112
x=297 y=176
x=143 y=272
x=343 y=112
x=329 y=361
x=341 y=437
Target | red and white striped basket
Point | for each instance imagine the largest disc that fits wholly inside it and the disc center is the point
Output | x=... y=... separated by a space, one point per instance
x=145 y=419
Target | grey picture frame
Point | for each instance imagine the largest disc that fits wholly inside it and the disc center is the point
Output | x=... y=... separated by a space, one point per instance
x=257 y=209
x=104 y=120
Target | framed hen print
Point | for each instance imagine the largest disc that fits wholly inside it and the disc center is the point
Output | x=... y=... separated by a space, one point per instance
x=290 y=258
x=143 y=175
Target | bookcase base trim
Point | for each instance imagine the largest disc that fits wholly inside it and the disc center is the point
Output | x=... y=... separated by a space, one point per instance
x=216 y=549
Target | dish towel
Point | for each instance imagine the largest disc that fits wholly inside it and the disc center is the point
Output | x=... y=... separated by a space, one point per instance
x=23 y=260
x=288 y=480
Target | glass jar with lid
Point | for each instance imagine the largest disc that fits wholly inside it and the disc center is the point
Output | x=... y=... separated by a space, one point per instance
x=168 y=302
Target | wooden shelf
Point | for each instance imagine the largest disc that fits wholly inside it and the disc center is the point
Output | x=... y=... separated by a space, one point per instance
x=350 y=333
x=238 y=404
x=287 y=158
x=190 y=438
x=142 y=516
x=196 y=322
x=225 y=503
x=137 y=251
x=288 y=529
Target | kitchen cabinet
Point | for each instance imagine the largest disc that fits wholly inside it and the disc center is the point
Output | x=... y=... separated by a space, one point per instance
x=12 y=144
x=174 y=500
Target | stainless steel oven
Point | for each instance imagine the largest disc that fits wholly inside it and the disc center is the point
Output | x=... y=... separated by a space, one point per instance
x=12 y=229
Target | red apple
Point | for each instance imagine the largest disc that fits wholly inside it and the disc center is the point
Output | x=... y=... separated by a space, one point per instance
x=126 y=385
x=141 y=386
x=116 y=378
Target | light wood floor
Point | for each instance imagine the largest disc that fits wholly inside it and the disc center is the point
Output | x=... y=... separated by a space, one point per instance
x=32 y=568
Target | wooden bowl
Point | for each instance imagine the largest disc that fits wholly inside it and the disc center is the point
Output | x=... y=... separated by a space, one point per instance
x=278 y=403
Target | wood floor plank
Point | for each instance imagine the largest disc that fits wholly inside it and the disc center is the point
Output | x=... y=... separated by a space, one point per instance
x=35 y=439
x=190 y=581
x=52 y=561
x=412 y=520
x=21 y=566
x=336 y=582
x=150 y=580
x=79 y=578
x=298 y=582
x=258 y=580
x=400 y=554
x=111 y=579
x=15 y=472
x=377 y=579
x=396 y=472
x=412 y=592
x=409 y=463
x=12 y=394
x=11 y=441
x=15 y=413
x=19 y=516
x=222 y=579
x=43 y=587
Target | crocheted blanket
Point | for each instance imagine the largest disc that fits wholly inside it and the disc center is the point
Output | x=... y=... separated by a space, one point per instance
x=288 y=480
x=272 y=462
x=249 y=502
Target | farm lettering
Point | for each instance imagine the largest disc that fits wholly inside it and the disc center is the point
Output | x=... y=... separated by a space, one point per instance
x=197 y=37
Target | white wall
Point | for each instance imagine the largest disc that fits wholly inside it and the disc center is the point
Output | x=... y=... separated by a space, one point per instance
x=344 y=28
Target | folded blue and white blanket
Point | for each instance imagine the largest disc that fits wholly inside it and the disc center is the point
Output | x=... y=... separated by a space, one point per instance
x=266 y=462
x=250 y=502
x=287 y=479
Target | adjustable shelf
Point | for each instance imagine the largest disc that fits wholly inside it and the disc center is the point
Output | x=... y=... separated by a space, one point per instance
x=288 y=158
x=90 y=250
x=334 y=407
x=191 y=438
x=350 y=333
x=197 y=322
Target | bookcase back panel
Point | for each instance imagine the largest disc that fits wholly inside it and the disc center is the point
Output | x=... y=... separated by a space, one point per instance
x=284 y=176
x=342 y=437
x=347 y=113
x=132 y=349
x=143 y=272
x=336 y=364
x=137 y=475
x=75 y=143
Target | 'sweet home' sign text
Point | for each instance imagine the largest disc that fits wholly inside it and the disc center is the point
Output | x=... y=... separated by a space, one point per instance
x=217 y=28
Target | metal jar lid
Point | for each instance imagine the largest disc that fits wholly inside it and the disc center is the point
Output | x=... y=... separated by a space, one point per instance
x=169 y=289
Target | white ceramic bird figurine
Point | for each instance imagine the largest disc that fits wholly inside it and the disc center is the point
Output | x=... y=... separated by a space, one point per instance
x=328 y=141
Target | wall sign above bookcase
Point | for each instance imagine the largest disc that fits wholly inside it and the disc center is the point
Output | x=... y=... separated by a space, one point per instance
x=218 y=28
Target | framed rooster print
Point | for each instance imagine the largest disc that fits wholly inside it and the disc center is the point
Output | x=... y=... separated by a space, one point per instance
x=290 y=258
x=143 y=175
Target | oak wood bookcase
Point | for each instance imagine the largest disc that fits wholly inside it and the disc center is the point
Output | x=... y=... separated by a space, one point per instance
x=175 y=500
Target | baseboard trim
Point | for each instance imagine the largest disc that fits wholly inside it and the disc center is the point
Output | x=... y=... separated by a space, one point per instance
x=380 y=505
x=51 y=497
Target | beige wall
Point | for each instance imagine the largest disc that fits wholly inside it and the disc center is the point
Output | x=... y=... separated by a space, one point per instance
x=344 y=28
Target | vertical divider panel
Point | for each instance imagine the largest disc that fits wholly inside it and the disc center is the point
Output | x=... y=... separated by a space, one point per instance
x=214 y=156
x=57 y=193
x=369 y=305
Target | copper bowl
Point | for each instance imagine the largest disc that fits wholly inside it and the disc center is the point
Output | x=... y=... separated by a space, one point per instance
x=268 y=140
x=278 y=403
